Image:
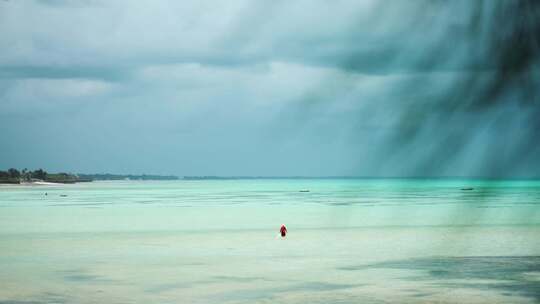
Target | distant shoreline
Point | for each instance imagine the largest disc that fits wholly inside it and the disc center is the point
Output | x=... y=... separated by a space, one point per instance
x=41 y=177
x=109 y=176
x=358 y=177
x=82 y=178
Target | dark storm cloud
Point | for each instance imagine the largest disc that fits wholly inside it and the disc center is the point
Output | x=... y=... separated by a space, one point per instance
x=271 y=88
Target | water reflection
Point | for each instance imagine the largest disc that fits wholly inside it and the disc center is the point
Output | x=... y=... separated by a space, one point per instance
x=504 y=274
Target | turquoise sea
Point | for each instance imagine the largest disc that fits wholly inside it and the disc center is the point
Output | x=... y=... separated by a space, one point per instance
x=216 y=241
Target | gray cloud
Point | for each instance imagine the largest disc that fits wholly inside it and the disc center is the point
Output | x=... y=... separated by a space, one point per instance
x=257 y=88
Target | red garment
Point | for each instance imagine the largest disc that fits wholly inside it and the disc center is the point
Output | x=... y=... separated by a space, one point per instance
x=283 y=230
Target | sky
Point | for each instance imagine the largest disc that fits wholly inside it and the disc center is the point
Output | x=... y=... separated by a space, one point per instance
x=271 y=88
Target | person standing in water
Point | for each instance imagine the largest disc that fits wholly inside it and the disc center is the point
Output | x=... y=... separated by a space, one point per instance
x=283 y=230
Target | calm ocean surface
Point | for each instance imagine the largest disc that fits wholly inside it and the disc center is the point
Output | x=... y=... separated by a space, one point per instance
x=216 y=241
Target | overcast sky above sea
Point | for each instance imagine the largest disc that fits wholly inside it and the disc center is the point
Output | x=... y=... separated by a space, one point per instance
x=276 y=88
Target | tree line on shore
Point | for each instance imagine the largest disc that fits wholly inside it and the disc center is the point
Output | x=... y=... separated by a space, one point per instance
x=111 y=177
x=14 y=176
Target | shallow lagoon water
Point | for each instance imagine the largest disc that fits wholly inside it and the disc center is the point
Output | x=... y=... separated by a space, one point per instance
x=216 y=241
